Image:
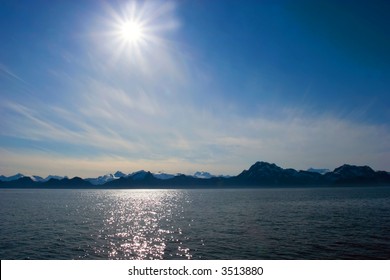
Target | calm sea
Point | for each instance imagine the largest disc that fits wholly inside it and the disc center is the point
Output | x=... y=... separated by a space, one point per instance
x=307 y=223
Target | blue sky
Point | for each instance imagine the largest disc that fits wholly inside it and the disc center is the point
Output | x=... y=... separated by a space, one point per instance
x=207 y=85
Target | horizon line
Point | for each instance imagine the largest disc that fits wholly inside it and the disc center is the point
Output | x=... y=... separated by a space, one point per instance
x=186 y=174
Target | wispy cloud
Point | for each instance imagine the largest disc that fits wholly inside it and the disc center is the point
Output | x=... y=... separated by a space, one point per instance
x=223 y=142
x=104 y=106
x=46 y=162
x=5 y=70
x=132 y=123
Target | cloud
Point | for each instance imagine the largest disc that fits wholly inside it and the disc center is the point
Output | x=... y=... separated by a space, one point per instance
x=301 y=142
x=155 y=108
x=184 y=138
x=132 y=123
x=10 y=74
x=44 y=163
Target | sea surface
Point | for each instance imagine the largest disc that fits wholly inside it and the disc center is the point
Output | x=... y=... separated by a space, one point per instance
x=281 y=223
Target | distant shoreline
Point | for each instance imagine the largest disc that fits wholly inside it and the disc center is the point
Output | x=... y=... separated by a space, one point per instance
x=198 y=187
x=259 y=175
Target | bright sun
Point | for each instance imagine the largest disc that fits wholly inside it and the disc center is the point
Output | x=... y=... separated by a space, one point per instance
x=135 y=28
x=131 y=32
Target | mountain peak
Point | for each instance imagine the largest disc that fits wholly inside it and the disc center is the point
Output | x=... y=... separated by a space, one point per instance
x=202 y=175
x=259 y=174
x=265 y=166
x=12 y=178
x=163 y=176
x=119 y=174
x=347 y=169
x=262 y=169
x=139 y=175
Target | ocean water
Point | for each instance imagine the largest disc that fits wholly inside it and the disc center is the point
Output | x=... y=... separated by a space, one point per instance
x=282 y=223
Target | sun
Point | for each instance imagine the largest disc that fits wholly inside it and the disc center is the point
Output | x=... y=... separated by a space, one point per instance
x=136 y=30
x=131 y=31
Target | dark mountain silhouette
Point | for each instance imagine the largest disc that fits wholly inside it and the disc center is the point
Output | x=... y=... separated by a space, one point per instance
x=138 y=179
x=23 y=182
x=75 y=182
x=350 y=174
x=264 y=173
x=27 y=182
x=260 y=174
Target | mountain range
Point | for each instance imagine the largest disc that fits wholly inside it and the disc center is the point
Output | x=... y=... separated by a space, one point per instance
x=260 y=174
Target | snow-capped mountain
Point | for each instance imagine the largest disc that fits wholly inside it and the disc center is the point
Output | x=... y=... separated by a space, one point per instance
x=34 y=178
x=203 y=175
x=318 y=170
x=163 y=176
x=107 y=178
x=53 y=177
x=259 y=174
x=11 y=178
x=101 y=179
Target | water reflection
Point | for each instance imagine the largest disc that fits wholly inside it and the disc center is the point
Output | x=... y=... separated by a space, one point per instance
x=324 y=223
x=142 y=225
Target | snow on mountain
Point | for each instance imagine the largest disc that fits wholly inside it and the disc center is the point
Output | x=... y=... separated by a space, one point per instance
x=36 y=178
x=163 y=176
x=259 y=174
x=107 y=178
x=138 y=175
x=102 y=179
x=318 y=170
x=11 y=178
x=53 y=177
x=203 y=175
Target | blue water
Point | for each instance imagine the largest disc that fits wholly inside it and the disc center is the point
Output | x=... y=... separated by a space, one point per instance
x=307 y=223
